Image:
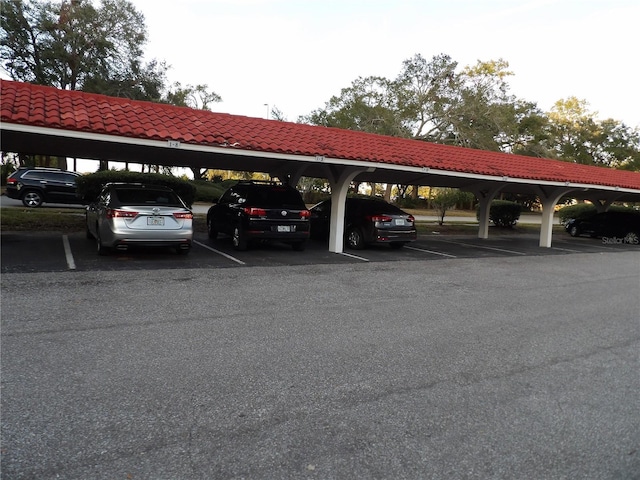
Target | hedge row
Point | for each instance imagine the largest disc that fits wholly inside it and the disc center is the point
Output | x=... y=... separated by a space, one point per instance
x=581 y=211
x=89 y=186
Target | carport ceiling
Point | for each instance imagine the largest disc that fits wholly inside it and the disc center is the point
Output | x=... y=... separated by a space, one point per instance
x=45 y=120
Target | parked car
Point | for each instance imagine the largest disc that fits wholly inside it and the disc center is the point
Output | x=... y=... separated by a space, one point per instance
x=623 y=225
x=266 y=211
x=133 y=214
x=35 y=186
x=367 y=221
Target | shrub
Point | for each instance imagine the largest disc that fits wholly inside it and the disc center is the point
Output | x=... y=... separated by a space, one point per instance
x=89 y=186
x=209 y=192
x=503 y=213
x=580 y=211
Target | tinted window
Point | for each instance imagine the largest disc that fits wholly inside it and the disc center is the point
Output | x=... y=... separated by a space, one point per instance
x=275 y=197
x=34 y=174
x=374 y=206
x=130 y=196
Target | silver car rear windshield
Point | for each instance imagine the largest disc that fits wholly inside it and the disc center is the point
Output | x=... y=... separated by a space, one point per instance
x=147 y=197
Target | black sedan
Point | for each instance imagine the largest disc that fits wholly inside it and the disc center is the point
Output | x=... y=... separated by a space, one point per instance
x=367 y=221
x=621 y=225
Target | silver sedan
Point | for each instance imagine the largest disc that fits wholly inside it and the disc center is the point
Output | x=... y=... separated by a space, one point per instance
x=132 y=214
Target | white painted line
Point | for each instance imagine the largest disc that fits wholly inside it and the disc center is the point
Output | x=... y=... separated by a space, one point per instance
x=482 y=246
x=566 y=250
x=67 y=252
x=431 y=251
x=220 y=253
x=354 y=256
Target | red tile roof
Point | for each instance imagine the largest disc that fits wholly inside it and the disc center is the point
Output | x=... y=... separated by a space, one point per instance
x=49 y=107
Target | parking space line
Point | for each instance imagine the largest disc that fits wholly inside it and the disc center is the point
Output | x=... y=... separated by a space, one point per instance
x=431 y=251
x=483 y=247
x=354 y=256
x=71 y=264
x=566 y=250
x=220 y=253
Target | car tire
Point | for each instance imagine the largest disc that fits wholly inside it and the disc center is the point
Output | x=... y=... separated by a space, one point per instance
x=354 y=238
x=574 y=231
x=213 y=234
x=102 y=250
x=299 y=246
x=32 y=199
x=397 y=245
x=239 y=240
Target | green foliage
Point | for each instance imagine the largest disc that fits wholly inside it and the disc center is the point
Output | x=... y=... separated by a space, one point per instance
x=503 y=213
x=209 y=192
x=447 y=198
x=585 y=210
x=89 y=186
x=78 y=46
x=433 y=100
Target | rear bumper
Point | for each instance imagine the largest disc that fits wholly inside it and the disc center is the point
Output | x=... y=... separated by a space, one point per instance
x=389 y=236
x=269 y=235
x=181 y=238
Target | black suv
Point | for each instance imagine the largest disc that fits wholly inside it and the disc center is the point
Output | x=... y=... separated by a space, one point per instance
x=622 y=225
x=252 y=210
x=37 y=185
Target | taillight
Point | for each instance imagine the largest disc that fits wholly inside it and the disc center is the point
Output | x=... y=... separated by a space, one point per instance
x=255 y=212
x=183 y=215
x=305 y=214
x=379 y=218
x=411 y=219
x=115 y=213
x=12 y=181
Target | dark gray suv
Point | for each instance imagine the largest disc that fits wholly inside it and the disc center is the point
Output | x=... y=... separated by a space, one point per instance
x=35 y=186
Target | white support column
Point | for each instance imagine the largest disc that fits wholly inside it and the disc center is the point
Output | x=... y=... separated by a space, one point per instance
x=340 y=179
x=485 y=197
x=549 y=202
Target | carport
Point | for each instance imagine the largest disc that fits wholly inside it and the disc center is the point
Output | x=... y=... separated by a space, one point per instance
x=48 y=121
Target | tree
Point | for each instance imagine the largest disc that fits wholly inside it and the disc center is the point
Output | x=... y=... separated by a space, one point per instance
x=74 y=45
x=195 y=97
x=368 y=105
x=579 y=137
x=445 y=199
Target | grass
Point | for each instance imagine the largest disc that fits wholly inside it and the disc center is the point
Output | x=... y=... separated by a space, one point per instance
x=69 y=220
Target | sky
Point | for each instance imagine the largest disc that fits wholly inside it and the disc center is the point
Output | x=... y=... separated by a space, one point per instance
x=296 y=54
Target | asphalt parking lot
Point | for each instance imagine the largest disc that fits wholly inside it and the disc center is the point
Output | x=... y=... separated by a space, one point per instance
x=411 y=365
x=50 y=251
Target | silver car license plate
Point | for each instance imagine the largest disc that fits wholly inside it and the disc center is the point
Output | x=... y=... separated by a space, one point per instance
x=284 y=228
x=155 y=221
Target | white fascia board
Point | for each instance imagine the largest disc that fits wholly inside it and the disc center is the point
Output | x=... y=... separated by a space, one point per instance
x=232 y=150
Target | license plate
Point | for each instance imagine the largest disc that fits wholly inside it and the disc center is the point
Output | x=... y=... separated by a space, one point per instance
x=284 y=228
x=399 y=221
x=155 y=220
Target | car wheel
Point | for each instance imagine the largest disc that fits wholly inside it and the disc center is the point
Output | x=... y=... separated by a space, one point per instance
x=397 y=245
x=299 y=246
x=102 y=250
x=355 y=239
x=32 y=199
x=239 y=241
x=632 y=238
x=213 y=234
x=574 y=231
